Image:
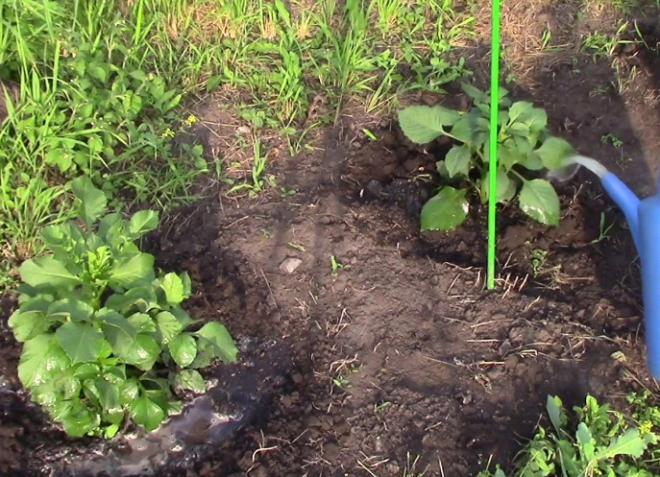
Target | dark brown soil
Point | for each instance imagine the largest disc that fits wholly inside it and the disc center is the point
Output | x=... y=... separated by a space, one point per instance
x=402 y=353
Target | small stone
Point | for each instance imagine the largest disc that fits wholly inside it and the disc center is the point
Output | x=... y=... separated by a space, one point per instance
x=290 y=264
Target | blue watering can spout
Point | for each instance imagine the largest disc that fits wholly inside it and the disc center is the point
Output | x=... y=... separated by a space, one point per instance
x=643 y=217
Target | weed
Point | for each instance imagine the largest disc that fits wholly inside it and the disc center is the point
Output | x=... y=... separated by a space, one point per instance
x=599 y=442
x=382 y=406
x=538 y=258
x=103 y=336
x=336 y=266
x=603 y=229
x=524 y=143
x=612 y=139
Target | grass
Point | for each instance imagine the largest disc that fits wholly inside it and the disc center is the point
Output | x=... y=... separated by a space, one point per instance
x=103 y=88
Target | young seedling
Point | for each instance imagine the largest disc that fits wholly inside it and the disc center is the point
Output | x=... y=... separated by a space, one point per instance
x=524 y=145
x=603 y=229
x=538 y=258
x=104 y=336
x=296 y=246
x=335 y=266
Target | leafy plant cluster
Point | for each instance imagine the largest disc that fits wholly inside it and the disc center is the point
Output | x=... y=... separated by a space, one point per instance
x=596 y=441
x=103 y=336
x=524 y=145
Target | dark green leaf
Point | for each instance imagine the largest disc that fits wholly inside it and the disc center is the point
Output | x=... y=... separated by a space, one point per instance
x=80 y=420
x=42 y=357
x=134 y=271
x=115 y=374
x=183 y=349
x=556 y=413
x=168 y=326
x=205 y=354
x=506 y=188
x=423 y=124
x=458 y=161
x=108 y=393
x=189 y=379
x=87 y=371
x=82 y=342
x=142 y=298
x=472 y=130
x=28 y=324
x=142 y=322
x=172 y=285
x=70 y=308
x=144 y=353
x=182 y=316
x=475 y=94
x=47 y=271
x=92 y=200
x=108 y=224
x=187 y=285
x=445 y=211
x=142 y=222
x=118 y=331
x=509 y=155
x=147 y=413
x=554 y=152
x=218 y=335
x=535 y=119
x=129 y=392
x=539 y=200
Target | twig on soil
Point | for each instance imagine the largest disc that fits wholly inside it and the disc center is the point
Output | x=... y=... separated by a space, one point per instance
x=270 y=290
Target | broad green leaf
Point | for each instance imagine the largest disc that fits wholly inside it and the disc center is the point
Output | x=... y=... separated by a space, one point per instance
x=475 y=94
x=445 y=211
x=28 y=324
x=111 y=430
x=47 y=271
x=630 y=443
x=568 y=458
x=182 y=316
x=555 y=412
x=471 y=129
x=142 y=222
x=56 y=236
x=585 y=441
x=172 y=285
x=147 y=413
x=205 y=353
x=42 y=358
x=92 y=200
x=70 y=308
x=143 y=298
x=80 y=420
x=506 y=188
x=87 y=371
x=144 y=353
x=118 y=331
x=63 y=385
x=187 y=285
x=509 y=155
x=539 y=200
x=519 y=130
x=535 y=119
x=423 y=124
x=183 y=349
x=115 y=374
x=134 y=271
x=107 y=223
x=554 y=152
x=108 y=393
x=142 y=322
x=129 y=392
x=458 y=161
x=218 y=335
x=168 y=326
x=190 y=379
x=82 y=342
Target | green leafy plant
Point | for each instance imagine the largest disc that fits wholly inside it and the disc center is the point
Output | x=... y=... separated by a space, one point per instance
x=524 y=145
x=600 y=442
x=104 y=337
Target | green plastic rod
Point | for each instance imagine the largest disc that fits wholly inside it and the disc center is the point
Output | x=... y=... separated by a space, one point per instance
x=492 y=164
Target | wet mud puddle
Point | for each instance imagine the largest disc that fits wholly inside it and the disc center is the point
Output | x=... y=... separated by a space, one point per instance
x=236 y=395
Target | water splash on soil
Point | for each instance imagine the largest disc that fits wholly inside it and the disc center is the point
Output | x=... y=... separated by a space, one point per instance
x=236 y=394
